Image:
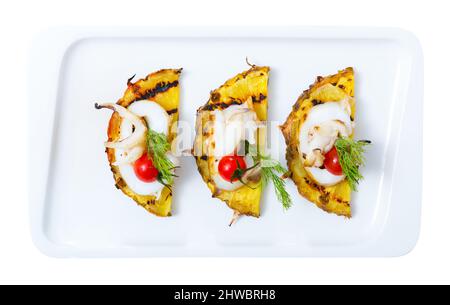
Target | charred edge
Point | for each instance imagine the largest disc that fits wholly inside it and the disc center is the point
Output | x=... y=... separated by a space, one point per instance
x=120 y=183
x=172 y=111
x=159 y=88
x=239 y=77
x=233 y=102
x=208 y=107
x=324 y=198
x=339 y=200
x=130 y=79
x=252 y=69
x=151 y=202
x=177 y=71
x=314 y=185
x=259 y=99
x=215 y=97
x=316 y=102
x=319 y=79
x=223 y=105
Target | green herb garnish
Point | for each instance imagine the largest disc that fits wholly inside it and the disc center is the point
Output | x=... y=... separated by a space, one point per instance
x=157 y=147
x=351 y=157
x=270 y=169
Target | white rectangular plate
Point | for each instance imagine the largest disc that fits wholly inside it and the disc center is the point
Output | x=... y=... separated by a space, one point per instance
x=77 y=212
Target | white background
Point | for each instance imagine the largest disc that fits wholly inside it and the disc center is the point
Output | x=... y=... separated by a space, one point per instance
x=20 y=261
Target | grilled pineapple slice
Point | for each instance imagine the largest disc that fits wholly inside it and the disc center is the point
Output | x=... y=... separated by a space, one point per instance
x=161 y=87
x=333 y=199
x=251 y=84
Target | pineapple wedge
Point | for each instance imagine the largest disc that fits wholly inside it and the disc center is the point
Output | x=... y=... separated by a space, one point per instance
x=161 y=87
x=251 y=86
x=333 y=199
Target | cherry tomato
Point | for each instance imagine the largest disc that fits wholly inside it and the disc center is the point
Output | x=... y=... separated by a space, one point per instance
x=229 y=164
x=144 y=169
x=331 y=162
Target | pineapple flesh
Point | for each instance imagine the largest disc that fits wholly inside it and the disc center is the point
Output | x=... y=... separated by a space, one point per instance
x=249 y=85
x=161 y=87
x=333 y=199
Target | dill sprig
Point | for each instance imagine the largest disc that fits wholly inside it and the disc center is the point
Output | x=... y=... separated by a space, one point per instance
x=270 y=170
x=351 y=157
x=157 y=147
x=270 y=174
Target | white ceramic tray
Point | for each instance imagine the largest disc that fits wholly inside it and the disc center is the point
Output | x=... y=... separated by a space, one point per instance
x=77 y=212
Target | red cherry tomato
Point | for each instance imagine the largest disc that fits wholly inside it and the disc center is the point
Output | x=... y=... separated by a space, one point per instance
x=144 y=169
x=331 y=162
x=229 y=164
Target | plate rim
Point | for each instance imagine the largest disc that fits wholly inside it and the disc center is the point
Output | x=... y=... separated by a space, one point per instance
x=61 y=39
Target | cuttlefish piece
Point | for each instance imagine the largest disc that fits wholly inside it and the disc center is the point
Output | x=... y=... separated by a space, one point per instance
x=134 y=145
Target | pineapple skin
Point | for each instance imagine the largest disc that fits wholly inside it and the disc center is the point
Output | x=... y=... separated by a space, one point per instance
x=249 y=84
x=333 y=199
x=163 y=88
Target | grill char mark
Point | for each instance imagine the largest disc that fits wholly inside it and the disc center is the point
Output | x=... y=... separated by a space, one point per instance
x=223 y=105
x=172 y=111
x=258 y=99
x=325 y=196
x=315 y=102
x=159 y=88
x=215 y=104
